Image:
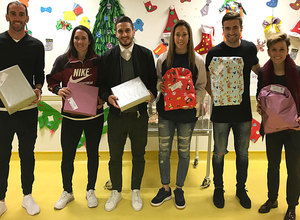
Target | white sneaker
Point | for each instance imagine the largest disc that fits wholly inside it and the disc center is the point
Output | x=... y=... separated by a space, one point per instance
x=64 y=199
x=136 y=200
x=91 y=198
x=113 y=200
x=3 y=207
x=30 y=205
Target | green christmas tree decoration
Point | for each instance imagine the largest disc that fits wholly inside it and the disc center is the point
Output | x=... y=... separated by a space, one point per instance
x=82 y=141
x=106 y=110
x=50 y=117
x=105 y=24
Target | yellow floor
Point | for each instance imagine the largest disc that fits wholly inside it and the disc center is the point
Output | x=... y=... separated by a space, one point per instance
x=199 y=205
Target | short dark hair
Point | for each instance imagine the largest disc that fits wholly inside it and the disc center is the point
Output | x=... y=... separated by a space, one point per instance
x=91 y=48
x=19 y=4
x=124 y=19
x=232 y=15
x=275 y=38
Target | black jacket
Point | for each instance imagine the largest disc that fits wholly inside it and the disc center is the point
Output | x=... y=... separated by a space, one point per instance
x=111 y=71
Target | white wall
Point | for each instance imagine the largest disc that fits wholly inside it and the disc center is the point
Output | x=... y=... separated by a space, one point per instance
x=43 y=25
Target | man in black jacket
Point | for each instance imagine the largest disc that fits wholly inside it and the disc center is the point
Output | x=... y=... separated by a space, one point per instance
x=120 y=64
x=18 y=48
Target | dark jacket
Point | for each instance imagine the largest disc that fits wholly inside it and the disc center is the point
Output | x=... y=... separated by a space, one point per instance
x=28 y=53
x=111 y=73
x=67 y=68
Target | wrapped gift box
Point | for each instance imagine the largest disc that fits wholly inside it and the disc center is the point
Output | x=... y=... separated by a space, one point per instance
x=179 y=89
x=15 y=91
x=131 y=93
x=83 y=99
x=227 y=81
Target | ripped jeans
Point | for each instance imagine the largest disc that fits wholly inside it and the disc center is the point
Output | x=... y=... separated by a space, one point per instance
x=166 y=130
x=241 y=133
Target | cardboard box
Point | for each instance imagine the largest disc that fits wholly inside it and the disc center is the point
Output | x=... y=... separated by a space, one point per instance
x=15 y=91
x=131 y=93
x=83 y=100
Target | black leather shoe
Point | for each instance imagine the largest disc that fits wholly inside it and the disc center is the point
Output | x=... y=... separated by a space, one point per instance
x=267 y=206
x=290 y=214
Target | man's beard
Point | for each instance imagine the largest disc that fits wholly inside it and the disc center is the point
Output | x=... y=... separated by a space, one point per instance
x=18 y=28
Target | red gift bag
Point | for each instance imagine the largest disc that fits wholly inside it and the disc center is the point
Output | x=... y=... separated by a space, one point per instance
x=179 y=89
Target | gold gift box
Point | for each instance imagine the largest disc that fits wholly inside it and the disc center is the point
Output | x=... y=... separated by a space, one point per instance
x=15 y=91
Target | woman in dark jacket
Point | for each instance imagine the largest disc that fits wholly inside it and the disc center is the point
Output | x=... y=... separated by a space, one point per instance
x=78 y=65
x=281 y=69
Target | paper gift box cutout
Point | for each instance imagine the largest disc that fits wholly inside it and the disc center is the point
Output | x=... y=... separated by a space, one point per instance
x=15 y=91
x=77 y=9
x=227 y=80
x=83 y=99
x=179 y=89
x=131 y=93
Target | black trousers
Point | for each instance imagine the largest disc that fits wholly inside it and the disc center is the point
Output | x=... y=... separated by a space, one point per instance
x=71 y=131
x=24 y=124
x=291 y=142
x=119 y=127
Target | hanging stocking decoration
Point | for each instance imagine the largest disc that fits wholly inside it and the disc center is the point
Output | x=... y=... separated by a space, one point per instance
x=159 y=50
x=293 y=53
x=149 y=7
x=49 y=44
x=295 y=5
x=295 y=32
x=272 y=3
x=204 y=10
x=206 y=41
x=172 y=19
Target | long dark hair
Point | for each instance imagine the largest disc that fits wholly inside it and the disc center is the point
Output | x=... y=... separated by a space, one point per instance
x=190 y=45
x=71 y=51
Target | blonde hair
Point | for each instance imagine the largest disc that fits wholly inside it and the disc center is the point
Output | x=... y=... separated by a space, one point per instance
x=190 y=45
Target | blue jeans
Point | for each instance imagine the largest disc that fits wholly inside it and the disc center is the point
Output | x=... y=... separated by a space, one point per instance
x=166 y=130
x=241 y=133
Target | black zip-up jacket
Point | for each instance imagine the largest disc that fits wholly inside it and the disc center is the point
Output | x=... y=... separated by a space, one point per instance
x=110 y=68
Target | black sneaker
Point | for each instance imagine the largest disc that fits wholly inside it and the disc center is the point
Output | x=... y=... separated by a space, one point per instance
x=179 y=198
x=218 y=198
x=161 y=196
x=244 y=198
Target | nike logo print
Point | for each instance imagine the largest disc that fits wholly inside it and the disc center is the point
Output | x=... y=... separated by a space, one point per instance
x=79 y=79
